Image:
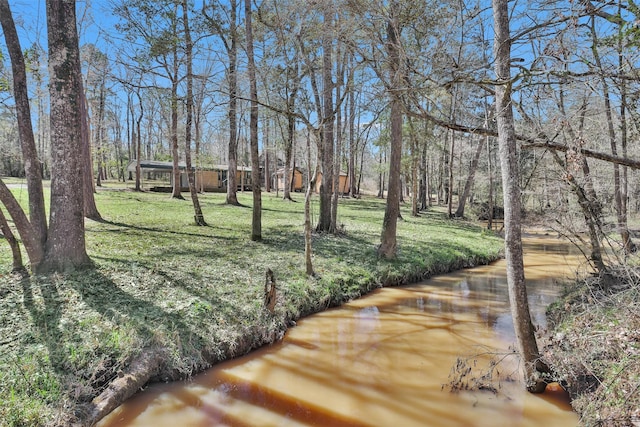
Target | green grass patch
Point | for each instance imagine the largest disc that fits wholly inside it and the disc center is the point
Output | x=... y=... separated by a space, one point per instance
x=160 y=281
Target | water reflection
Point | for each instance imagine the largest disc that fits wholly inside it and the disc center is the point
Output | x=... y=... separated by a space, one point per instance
x=377 y=361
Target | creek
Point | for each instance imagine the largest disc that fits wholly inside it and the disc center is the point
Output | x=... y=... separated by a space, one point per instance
x=381 y=360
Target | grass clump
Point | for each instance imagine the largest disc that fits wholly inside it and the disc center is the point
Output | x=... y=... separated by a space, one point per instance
x=160 y=282
x=595 y=346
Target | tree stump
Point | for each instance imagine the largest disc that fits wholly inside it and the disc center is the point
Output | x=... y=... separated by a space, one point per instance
x=270 y=291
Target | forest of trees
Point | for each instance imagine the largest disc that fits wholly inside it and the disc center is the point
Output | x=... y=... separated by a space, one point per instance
x=416 y=100
x=164 y=78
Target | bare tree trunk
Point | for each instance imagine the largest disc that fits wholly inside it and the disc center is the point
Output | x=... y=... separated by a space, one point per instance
x=586 y=195
x=130 y=132
x=177 y=184
x=591 y=213
x=490 y=171
x=18 y=266
x=30 y=239
x=90 y=208
x=462 y=200
x=524 y=330
x=414 y=169
x=98 y=134
x=232 y=181
x=197 y=126
x=388 y=241
x=198 y=216
x=267 y=166
x=628 y=244
x=65 y=248
x=288 y=154
x=380 y=194
x=337 y=158
x=324 y=220
x=307 y=211
x=256 y=223
x=621 y=213
x=361 y=168
x=352 y=133
x=32 y=165
x=450 y=172
x=136 y=141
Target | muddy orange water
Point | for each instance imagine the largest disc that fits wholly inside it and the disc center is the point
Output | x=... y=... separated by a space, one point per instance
x=379 y=361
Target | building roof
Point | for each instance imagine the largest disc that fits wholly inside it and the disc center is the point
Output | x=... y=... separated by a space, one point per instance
x=158 y=166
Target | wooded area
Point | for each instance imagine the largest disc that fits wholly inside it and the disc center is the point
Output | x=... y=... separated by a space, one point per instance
x=417 y=101
x=169 y=80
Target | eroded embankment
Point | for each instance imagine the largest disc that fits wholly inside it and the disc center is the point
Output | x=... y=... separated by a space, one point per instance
x=594 y=345
x=153 y=363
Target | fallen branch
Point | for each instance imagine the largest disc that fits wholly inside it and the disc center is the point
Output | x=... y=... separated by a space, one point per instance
x=528 y=142
x=123 y=387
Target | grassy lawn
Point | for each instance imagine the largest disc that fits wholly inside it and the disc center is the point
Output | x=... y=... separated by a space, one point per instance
x=196 y=292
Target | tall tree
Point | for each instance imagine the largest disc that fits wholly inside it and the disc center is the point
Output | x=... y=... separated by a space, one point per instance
x=524 y=330
x=65 y=248
x=32 y=166
x=619 y=189
x=172 y=68
x=214 y=13
x=462 y=199
x=198 y=216
x=327 y=141
x=90 y=207
x=153 y=30
x=388 y=241
x=256 y=222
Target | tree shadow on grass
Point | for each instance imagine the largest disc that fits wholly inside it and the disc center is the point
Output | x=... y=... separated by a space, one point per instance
x=46 y=319
x=62 y=327
x=151 y=229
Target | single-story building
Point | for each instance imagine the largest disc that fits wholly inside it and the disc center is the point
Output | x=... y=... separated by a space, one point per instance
x=343 y=184
x=208 y=178
x=297 y=179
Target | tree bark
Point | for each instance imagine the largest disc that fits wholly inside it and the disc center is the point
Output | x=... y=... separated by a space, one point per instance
x=462 y=200
x=353 y=142
x=232 y=178
x=173 y=76
x=621 y=214
x=126 y=385
x=591 y=212
x=90 y=208
x=256 y=221
x=265 y=150
x=32 y=165
x=415 y=157
x=198 y=216
x=18 y=266
x=628 y=244
x=335 y=184
x=288 y=154
x=524 y=330
x=450 y=170
x=30 y=239
x=324 y=220
x=388 y=241
x=137 y=142
x=490 y=197
x=65 y=248
x=308 y=261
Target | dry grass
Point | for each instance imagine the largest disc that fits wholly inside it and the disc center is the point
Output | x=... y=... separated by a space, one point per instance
x=595 y=347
